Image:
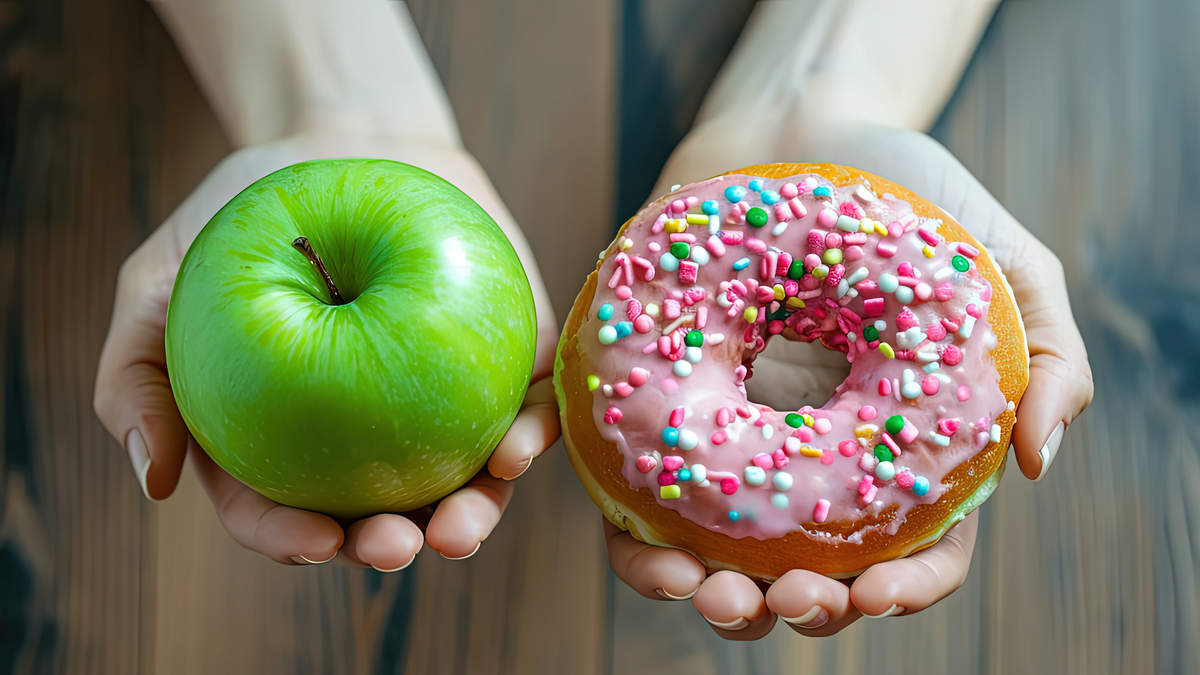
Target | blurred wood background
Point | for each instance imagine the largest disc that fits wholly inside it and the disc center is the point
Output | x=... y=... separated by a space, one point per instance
x=1082 y=117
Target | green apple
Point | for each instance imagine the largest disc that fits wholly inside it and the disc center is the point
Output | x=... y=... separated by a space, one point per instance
x=351 y=337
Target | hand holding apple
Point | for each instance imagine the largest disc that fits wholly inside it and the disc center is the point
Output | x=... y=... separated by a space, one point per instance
x=134 y=400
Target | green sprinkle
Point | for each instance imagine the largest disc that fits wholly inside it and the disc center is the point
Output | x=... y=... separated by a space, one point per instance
x=605 y=312
x=794 y=420
x=694 y=338
x=796 y=270
x=593 y=382
x=894 y=424
x=756 y=217
x=960 y=263
x=883 y=453
x=870 y=333
x=832 y=256
x=680 y=250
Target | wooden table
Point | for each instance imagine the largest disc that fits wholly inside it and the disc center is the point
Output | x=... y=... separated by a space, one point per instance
x=1079 y=116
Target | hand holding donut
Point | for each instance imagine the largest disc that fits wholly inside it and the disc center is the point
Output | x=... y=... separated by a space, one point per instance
x=1059 y=388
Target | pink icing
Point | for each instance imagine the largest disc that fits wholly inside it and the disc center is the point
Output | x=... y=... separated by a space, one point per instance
x=734 y=450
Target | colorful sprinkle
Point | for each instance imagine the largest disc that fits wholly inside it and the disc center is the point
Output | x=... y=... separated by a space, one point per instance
x=741 y=264
x=755 y=476
x=605 y=312
x=883 y=453
x=779 y=501
x=794 y=420
x=885 y=471
x=782 y=481
x=756 y=217
x=821 y=510
x=593 y=382
x=607 y=335
x=735 y=193
x=920 y=486
x=960 y=263
x=733 y=516
x=710 y=207
x=821 y=191
x=669 y=491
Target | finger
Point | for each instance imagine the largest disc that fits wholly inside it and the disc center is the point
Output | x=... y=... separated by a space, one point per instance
x=734 y=606
x=911 y=584
x=655 y=572
x=283 y=534
x=533 y=431
x=387 y=542
x=133 y=396
x=812 y=604
x=464 y=519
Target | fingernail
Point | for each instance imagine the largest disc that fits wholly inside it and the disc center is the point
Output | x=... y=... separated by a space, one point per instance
x=1050 y=449
x=525 y=464
x=737 y=624
x=668 y=596
x=140 y=457
x=465 y=556
x=813 y=618
x=893 y=611
x=405 y=565
x=301 y=560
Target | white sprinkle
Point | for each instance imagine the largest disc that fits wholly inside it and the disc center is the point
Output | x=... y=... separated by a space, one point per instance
x=904 y=295
x=1011 y=406
x=714 y=338
x=842 y=288
x=848 y=224
x=968 y=325
x=911 y=390
x=779 y=501
x=687 y=439
x=682 y=368
x=651 y=309
x=852 y=337
x=755 y=476
x=608 y=390
x=908 y=376
x=880 y=325
x=693 y=354
x=944 y=274
x=782 y=481
x=723 y=300
x=941 y=440
x=779 y=229
x=927 y=356
x=858 y=275
x=699 y=473
x=943 y=378
x=714 y=224
x=994 y=433
x=768 y=431
x=852 y=293
x=675 y=187
x=930 y=367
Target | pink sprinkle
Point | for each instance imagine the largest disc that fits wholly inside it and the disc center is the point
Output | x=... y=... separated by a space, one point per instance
x=827 y=218
x=780 y=458
x=935 y=332
x=964 y=392
x=906 y=319
x=832 y=240
x=788 y=191
x=723 y=417
x=847 y=448
x=895 y=229
x=743 y=412
x=643 y=324
x=905 y=479
x=930 y=385
x=850 y=315
x=650 y=348
x=731 y=237
x=854 y=253
x=870 y=496
x=692 y=202
x=929 y=237
x=638 y=377
x=891 y=443
x=633 y=309
x=986 y=294
x=909 y=433
x=738 y=287
x=646 y=463
x=849 y=208
x=701 y=318
x=658 y=227
x=865 y=485
x=821 y=510
x=664 y=346
x=949 y=325
x=982 y=438
x=623 y=293
x=923 y=291
x=764 y=294
x=822 y=426
x=947 y=427
x=684 y=237
x=666 y=478
x=769 y=261
x=835 y=274
x=613 y=415
x=797 y=208
x=763 y=461
x=906 y=270
x=679 y=206
x=867 y=413
x=944 y=292
x=952 y=355
x=816 y=243
x=827 y=458
x=885 y=387
x=623 y=389
x=805 y=434
x=775 y=327
x=719 y=436
x=756 y=245
x=975 y=310
x=672 y=462
x=676 y=418
x=782 y=213
x=784 y=262
x=791 y=445
x=873 y=307
x=671 y=307
x=967 y=249
x=790 y=288
x=715 y=246
x=867 y=462
x=669 y=386
x=688 y=271
x=885 y=248
x=729 y=485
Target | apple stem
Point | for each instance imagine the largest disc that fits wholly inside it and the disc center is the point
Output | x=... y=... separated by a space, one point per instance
x=302 y=244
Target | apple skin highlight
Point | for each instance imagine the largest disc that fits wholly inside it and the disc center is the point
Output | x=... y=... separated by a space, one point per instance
x=385 y=403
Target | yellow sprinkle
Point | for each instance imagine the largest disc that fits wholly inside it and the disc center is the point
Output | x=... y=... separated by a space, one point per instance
x=779 y=294
x=652 y=309
x=866 y=431
x=886 y=350
x=880 y=228
x=669 y=491
x=751 y=314
x=794 y=303
x=867 y=225
x=697 y=219
x=674 y=226
x=808 y=419
x=593 y=382
x=927 y=251
x=810 y=452
x=820 y=271
x=626 y=244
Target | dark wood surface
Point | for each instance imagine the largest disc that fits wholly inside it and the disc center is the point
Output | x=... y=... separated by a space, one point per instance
x=1079 y=116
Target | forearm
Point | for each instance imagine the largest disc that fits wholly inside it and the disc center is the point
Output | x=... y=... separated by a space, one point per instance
x=273 y=68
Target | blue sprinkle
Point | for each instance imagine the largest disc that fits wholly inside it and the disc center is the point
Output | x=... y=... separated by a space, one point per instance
x=741 y=264
x=821 y=192
x=684 y=475
x=735 y=193
x=709 y=207
x=670 y=436
x=921 y=486
x=624 y=329
x=605 y=313
x=756 y=185
x=733 y=515
x=770 y=197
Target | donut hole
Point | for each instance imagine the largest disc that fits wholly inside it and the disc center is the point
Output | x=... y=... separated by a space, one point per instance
x=789 y=374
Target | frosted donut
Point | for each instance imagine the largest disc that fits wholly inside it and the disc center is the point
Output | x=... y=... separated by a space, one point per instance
x=652 y=362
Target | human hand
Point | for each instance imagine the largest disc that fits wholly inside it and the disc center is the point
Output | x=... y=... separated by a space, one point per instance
x=134 y=401
x=1060 y=385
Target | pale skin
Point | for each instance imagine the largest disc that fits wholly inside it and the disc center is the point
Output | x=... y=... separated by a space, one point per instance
x=330 y=111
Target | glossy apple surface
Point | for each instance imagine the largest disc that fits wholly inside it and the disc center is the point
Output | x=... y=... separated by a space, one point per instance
x=385 y=403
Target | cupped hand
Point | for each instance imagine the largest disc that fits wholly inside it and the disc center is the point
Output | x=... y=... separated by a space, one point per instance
x=133 y=395
x=1060 y=382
